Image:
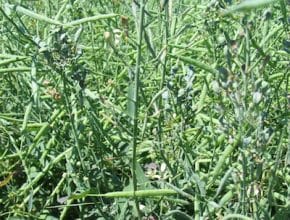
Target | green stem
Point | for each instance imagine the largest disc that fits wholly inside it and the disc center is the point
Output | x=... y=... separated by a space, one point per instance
x=136 y=102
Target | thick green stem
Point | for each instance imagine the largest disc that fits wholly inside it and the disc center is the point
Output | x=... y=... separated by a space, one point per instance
x=136 y=102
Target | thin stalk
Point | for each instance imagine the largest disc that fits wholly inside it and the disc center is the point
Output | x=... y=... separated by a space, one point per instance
x=162 y=84
x=89 y=19
x=136 y=102
x=247 y=57
x=196 y=199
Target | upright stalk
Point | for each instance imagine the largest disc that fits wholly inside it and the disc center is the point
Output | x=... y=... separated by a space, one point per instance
x=136 y=102
x=161 y=86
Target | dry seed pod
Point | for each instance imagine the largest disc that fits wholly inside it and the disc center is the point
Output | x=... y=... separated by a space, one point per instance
x=117 y=36
x=108 y=36
x=54 y=93
x=125 y=25
x=46 y=83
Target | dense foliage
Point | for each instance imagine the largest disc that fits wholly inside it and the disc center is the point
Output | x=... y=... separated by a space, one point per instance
x=177 y=109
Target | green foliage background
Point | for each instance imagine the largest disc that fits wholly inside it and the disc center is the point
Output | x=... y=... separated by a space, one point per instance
x=212 y=122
